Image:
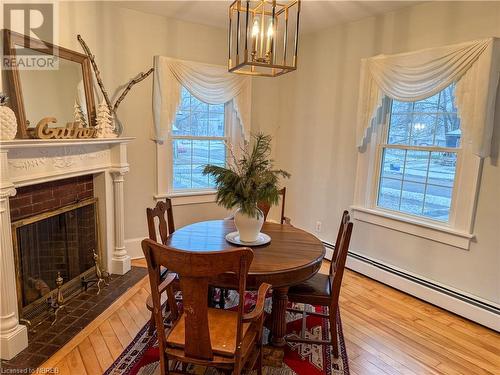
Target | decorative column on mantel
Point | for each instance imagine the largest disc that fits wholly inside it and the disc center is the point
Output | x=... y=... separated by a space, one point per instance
x=120 y=261
x=13 y=336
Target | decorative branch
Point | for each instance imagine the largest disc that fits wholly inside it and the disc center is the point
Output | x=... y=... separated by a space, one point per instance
x=96 y=71
x=140 y=77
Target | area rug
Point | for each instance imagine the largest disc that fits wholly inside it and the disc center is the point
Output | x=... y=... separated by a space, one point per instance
x=141 y=357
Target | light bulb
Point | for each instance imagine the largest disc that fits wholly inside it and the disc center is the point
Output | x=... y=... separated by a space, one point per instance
x=255 y=28
x=270 y=30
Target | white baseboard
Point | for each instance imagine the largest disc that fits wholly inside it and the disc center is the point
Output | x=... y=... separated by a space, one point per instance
x=328 y=253
x=133 y=247
x=470 y=311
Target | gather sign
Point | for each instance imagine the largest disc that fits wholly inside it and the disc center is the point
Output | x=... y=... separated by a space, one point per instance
x=72 y=130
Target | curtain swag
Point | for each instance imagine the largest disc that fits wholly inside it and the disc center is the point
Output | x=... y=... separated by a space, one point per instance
x=473 y=66
x=209 y=83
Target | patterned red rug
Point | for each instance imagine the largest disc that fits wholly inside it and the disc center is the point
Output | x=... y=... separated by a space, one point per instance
x=141 y=357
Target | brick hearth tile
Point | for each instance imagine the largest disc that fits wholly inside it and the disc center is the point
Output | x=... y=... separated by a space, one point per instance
x=49 y=339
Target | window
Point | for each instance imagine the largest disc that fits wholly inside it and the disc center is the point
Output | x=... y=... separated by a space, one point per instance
x=198 y=138
x=418 y=153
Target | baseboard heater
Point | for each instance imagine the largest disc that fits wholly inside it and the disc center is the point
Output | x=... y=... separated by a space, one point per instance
x=417 y=280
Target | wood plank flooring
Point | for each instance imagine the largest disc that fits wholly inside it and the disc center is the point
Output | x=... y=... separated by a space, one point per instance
x=386 y=332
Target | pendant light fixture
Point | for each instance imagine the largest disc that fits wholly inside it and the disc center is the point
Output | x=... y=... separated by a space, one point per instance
x=263 y=37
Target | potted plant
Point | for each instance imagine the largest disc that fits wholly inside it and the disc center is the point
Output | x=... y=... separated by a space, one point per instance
x=247 y=181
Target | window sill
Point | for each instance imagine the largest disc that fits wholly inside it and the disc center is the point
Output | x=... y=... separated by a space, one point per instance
x=188 y=197
x=424 y=229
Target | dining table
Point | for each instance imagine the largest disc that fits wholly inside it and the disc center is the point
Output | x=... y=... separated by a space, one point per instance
x=291 y=257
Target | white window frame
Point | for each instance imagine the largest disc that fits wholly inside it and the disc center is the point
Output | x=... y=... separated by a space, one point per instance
x=164 y=163
x=458 y=231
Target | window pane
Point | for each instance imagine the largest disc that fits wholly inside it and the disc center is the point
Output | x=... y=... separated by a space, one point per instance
x=216 y=124
x=199 y=123
x=200 y=152
x=389 y=193
x=422 y=129
x=401 y=107
x=217 y=153
x=442 y=169
x=448 y=131
x=437 y=202
x=416 y=166
x=412 y=198
x=399 y=129
x=182 y=154
x=199 y=180
x=182 y=123
x=393 y=163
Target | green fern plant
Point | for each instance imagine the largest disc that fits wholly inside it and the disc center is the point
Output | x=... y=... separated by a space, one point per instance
x=250 y=179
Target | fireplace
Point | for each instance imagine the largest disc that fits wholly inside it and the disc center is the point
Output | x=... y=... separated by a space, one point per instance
x=49 y=244
x=98 y=164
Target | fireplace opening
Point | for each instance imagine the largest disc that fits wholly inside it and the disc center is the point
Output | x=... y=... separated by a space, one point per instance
x=57 y=242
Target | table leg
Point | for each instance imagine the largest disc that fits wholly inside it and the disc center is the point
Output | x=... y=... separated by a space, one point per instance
x=278 y=316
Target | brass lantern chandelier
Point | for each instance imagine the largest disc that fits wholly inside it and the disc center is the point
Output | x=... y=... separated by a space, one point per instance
x=263 y=37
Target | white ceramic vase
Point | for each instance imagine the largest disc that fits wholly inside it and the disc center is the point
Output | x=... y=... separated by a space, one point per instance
x=248 y=227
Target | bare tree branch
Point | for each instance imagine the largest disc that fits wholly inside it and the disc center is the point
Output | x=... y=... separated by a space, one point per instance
x=96 y=71
x=142 y=76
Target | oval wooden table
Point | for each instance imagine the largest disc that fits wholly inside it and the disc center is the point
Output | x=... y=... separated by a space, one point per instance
x=291 y=257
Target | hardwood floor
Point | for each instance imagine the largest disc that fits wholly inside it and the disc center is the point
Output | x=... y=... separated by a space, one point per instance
x=386 y=332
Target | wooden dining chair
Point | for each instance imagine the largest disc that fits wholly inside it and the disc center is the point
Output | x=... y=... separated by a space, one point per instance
x=164 y=213
x=224 y=339
x=324 y=290
x=266 y=207
x=161 y=221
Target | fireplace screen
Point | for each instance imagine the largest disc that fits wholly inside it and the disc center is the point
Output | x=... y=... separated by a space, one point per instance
x=60 y=241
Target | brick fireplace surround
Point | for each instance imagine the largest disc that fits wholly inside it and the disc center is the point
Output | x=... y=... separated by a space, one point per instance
x=28 y=162
x=34 y=199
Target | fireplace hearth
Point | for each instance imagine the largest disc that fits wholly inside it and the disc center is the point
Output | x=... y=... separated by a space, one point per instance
x=79 y=312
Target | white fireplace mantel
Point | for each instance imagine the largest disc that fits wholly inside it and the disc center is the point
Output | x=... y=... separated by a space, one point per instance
x=32 y=161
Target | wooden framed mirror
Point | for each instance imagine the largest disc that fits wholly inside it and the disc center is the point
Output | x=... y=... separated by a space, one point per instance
x=63 y=92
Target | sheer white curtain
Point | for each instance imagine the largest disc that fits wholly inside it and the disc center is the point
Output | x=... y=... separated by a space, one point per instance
x=474 y=66
x=209 y=83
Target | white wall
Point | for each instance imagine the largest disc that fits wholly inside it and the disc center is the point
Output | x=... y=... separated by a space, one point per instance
x=316 y=141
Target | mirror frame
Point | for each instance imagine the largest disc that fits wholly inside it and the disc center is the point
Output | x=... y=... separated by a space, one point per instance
x=12 y=39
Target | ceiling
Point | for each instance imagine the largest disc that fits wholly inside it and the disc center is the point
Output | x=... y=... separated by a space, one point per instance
x=315 y=15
